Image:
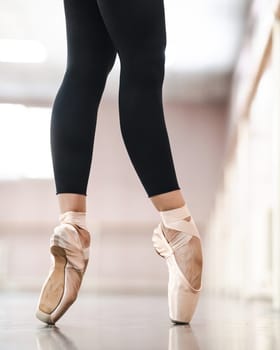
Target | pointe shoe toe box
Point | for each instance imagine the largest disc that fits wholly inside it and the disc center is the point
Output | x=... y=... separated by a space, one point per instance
x=182 y=297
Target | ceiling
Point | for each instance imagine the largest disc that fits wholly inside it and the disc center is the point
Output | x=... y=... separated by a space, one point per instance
x=203 y=39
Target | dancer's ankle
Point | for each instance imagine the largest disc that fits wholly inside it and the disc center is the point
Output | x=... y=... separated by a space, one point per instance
x=74 y=217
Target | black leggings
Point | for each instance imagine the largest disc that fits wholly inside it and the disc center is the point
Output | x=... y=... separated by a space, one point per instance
x=96 y=31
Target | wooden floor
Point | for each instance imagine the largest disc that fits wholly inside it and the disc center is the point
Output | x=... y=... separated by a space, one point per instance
x=138 y=322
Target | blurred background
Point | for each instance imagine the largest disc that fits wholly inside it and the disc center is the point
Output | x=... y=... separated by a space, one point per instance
x=221 y=110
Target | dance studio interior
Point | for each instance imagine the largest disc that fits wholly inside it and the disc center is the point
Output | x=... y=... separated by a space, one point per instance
x=222 y=111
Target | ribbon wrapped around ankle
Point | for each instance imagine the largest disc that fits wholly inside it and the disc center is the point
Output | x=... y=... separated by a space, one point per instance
x=176 y=219
x=74 y=217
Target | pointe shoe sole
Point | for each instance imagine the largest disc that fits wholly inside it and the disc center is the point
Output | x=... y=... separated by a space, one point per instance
x=53 y=288
x=61 y=286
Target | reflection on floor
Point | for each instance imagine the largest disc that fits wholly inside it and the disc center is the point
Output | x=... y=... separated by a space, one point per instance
x=138 y=322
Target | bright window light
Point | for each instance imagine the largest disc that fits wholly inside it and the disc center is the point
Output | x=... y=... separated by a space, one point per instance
x=24 y=142
x=199 y=38
x=22 y=51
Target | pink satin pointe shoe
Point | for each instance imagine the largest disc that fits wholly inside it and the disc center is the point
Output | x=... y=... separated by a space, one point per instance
x=182 y=296
x=69 y=247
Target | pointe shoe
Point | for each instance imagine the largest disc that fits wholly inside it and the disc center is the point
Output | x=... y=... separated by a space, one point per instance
x=69 y=247
x=182 y=296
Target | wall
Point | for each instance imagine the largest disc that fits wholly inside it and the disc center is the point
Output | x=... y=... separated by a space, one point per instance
x=118 y=208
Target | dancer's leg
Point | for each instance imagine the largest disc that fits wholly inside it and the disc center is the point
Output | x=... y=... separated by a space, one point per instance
x=168 y=200
x=72 y=202
x=137 y=29
x=90 y=57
